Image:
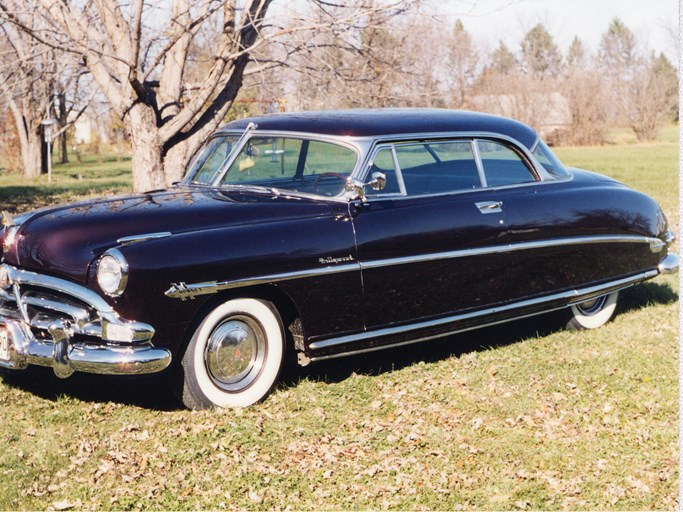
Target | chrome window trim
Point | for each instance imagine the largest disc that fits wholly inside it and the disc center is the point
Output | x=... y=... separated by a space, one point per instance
x=572 y=296
x=184 y=291
x=480 y=165
x=533 y=146
x=399 y=172
x=365 y=147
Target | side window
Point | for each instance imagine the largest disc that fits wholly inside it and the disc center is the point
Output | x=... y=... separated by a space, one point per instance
x=437 y=167
x=502 y=165
x=549 y=161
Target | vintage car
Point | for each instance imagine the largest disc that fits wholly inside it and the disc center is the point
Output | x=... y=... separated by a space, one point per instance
x=319 y=235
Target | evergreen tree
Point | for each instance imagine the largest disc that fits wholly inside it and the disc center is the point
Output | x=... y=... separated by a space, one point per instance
x=540 y=55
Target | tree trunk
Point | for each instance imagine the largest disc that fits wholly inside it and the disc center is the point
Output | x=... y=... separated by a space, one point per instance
x=30 y=154
x=29 y=140
x=148 y=164
x=43 y=152
x=63 y=153
x=176 y=162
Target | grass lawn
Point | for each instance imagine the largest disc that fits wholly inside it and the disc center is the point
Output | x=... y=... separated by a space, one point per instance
x=522 y=416
x=94 y=176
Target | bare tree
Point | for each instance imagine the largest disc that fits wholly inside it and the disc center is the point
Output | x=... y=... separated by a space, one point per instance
x=652 y=97
x=642 y=88
x=462 y=64
x=26 y=78
x=138 y=53
x=587 y=97
x=36 y=82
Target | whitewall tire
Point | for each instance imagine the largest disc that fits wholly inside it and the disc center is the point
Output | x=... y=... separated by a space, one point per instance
x=235 y=355
x=593 y=313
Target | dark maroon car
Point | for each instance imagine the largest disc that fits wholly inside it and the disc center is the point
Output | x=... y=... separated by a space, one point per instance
x=321 y=234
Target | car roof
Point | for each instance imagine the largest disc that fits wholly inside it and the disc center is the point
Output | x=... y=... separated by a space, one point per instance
x=387 y=122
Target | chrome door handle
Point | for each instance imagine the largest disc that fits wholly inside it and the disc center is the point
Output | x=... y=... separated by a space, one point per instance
x=490 y=206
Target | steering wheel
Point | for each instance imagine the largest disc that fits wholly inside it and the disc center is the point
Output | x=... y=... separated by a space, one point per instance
x=323 y=175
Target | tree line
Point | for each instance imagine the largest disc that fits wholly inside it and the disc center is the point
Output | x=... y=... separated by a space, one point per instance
x=573 y=97
x=169 y=73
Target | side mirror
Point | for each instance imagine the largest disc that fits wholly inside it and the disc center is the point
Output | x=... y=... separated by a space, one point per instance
x=378 y=181
x=355 y=189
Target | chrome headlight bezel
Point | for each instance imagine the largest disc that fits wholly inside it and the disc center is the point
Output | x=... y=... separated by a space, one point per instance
x=112 y=273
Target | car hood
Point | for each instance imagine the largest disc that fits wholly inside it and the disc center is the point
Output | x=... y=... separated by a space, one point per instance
x=65 y=240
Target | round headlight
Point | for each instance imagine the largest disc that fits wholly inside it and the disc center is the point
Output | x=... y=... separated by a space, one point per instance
x=112 y=273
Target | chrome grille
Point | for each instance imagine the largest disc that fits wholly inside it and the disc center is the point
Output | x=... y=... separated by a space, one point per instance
x=39 y=308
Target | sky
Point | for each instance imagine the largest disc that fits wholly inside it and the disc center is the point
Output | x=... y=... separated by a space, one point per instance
x=654 y=22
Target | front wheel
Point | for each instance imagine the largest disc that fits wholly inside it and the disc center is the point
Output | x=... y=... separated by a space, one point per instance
x=234 y=356
x=593 y=313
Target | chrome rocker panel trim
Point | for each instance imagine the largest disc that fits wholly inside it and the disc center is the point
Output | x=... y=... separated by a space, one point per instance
x=556 y=302
x=125 y=348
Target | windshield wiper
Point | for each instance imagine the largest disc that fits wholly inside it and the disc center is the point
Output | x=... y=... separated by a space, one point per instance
x=253 y=188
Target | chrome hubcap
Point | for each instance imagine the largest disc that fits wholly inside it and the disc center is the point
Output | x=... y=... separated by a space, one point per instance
x=235 y=353
x=593 y=306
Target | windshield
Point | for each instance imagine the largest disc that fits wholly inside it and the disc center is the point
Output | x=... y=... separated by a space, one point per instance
x=549 y=161
x=287 y=164
x=206 y=165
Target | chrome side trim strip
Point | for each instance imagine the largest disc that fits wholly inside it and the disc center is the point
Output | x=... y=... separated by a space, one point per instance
x=572 y=296
x=185 y=291
x=127 y=240
x=522 y=246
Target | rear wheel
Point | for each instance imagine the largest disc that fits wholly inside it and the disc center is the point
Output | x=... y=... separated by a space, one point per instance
x=234 y=356
x=593 y=313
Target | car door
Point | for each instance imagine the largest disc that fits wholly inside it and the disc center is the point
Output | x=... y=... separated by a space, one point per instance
x=427 y=243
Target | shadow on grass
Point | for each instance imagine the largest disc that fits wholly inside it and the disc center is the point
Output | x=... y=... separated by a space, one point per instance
x=146 y=391
x=22 y=198
x=153 y=392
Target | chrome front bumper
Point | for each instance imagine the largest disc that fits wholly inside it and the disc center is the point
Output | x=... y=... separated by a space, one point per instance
x=19 y=348
x=48 y=321
x=668 y=265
